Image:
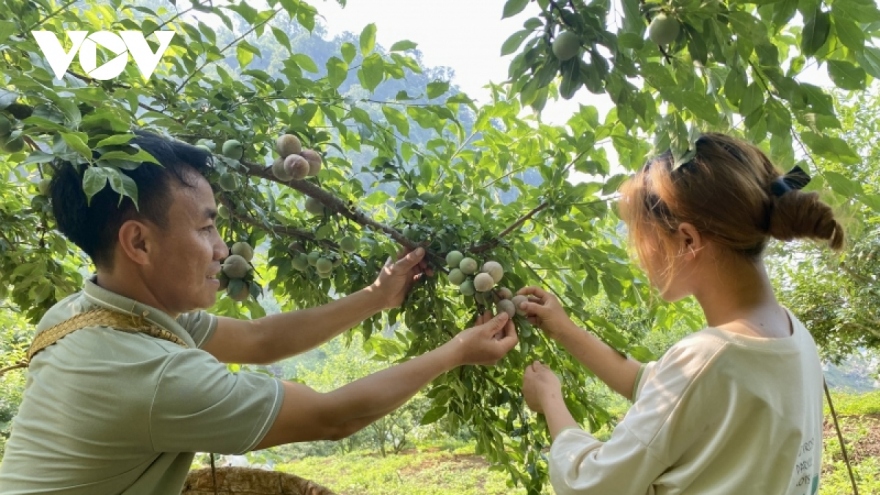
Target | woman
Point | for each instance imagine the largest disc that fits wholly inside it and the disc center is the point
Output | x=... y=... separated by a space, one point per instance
x=735 y=408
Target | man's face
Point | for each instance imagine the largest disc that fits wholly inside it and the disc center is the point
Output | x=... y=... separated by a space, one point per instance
x=186 y=261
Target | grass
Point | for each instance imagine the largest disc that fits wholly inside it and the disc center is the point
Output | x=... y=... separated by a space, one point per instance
x=452 y=468
x=415 y=472
x=855 y=404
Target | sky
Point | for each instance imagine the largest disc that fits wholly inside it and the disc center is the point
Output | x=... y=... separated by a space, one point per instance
x=465 y=35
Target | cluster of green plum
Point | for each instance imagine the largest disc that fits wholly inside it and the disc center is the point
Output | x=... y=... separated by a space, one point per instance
x=480 y=282
x=237 y=273
x=322 y=262
x=293 y=162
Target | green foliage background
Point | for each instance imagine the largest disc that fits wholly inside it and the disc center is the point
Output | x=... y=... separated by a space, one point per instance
x=408 y=154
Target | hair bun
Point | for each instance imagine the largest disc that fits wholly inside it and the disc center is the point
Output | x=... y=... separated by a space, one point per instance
x=798 y=214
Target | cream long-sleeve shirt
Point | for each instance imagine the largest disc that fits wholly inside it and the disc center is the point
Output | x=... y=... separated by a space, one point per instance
x=719 y=413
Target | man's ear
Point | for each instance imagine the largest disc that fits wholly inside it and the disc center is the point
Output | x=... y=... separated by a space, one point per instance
x=690 y=240
x=134 y=240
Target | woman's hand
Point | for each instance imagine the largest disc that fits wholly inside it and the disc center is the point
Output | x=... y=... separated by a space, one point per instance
x=544 y=311
x=539 y=385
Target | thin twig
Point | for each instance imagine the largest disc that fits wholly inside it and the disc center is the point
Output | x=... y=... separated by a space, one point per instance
x=840 y=438
x=231 y=43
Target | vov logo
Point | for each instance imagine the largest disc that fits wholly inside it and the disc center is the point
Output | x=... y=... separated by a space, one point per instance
x=86 y=45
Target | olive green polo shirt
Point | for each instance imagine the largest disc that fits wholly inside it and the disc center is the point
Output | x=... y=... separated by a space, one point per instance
x=109 y=412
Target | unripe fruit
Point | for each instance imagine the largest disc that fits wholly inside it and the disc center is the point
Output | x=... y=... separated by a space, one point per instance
x=222 y=211
x=280 y=171
x=314 y=206
x=505 y=293
x=203 y=148
x=300 y=262
x=468 y=266
x=314 y=160
x=12 y=145
x=517 y=300
x=467 y=288
x=456 y=276
x=228 y=182
x=494 y=269
x=297 y=166
x=243 y=249
x=337 y=260
x=5 y=126
x=410 y=194
x=287 y=145
x=313 y=257
x=348 y=244
x=411 y=233
x=223 y=279
x=507 y=306
x=483 y=282
x=481 y=298
x=296 y=247
x=566 y=45
x=207 y=143
x=323 y=265
x=235 y=266
x=663 y=29
x=233 y=149
x=45 y=186
x=325 y=274
x=238 y=290
x=453 y=259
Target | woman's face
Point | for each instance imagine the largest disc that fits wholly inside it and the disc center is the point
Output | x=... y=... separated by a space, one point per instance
x=667 y=264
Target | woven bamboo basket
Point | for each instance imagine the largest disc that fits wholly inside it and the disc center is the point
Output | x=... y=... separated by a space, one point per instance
x=249 y=481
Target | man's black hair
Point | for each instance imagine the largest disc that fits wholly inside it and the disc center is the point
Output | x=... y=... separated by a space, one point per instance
x=94 y=226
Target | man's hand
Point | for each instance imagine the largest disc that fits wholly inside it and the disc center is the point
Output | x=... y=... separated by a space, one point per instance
x=539 y=385
x=396 y=279
x=486 y=342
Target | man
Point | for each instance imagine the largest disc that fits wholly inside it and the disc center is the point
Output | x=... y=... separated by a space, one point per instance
x=113 y=412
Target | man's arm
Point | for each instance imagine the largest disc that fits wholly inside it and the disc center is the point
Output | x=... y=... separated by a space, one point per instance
x=275 y=337
x=307 y=415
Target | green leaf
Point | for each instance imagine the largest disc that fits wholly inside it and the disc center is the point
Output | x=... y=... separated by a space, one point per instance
x=78 y=141
x=869 y=60
x=368 y=39
x=815 y=32
x=832 y=148
x=349 y=52
x=513 y=7
x=115 y=140
x=513 y=42
x=122 y=184
x=397 y=119
x=6 y=30
x=402 y=46
x=437 y=88
x=842 y=185
x=372 y=72
x=752 y=99
x=305 y=62
x=94 y=180
x=433 y=415
x=337 y=72
x=282 y=37
x=861 y=11
x=243 y=55
x=850 y=34
x=846 y=75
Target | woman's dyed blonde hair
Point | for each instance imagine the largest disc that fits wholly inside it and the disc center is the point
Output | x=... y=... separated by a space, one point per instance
x=727 y=192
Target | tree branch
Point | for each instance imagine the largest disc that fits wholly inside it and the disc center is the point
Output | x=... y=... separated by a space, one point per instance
x=515 y=225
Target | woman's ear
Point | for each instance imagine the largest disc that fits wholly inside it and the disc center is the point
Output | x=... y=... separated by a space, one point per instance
x=689 y=239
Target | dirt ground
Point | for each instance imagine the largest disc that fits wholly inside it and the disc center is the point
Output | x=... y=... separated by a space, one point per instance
x=864 y=430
